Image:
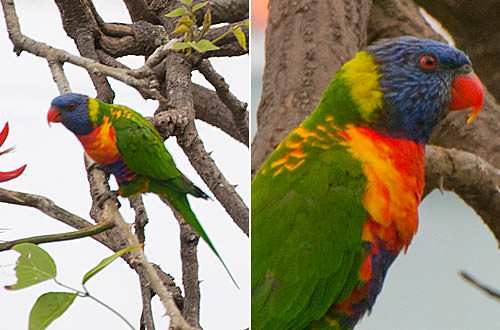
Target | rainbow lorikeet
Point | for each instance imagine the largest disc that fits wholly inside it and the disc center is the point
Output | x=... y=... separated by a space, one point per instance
x=337 y=201
x=130 y=148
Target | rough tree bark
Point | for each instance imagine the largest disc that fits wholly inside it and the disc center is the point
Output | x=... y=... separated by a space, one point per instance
x=331 y=32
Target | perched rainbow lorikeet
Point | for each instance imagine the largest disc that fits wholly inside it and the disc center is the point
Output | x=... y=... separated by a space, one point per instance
x=337 y=201
x=130 y=148
x=6 y=176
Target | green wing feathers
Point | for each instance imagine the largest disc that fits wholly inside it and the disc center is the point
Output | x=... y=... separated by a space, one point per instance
x=142 y=149
x=301 y=266
x=181 y=205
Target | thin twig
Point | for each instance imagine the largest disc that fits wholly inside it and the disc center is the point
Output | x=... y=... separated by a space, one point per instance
x=23 y=43
x=212 y=111
x=147 y=322
x=44 y=205
x=189 y=246
x=93 y=230
x=491 y=292
x=141 y=217
x=237 y=108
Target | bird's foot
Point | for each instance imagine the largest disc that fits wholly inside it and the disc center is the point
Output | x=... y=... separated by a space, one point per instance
x=102 y=198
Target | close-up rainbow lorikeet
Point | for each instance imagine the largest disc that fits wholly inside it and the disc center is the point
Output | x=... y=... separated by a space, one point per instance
x=130 y=148
x=336 y=202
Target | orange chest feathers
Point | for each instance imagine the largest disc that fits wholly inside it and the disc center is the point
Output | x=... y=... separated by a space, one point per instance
x=395 y=173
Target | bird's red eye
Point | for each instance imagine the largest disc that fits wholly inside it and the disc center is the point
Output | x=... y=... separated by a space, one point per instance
x=428 y=62
x=71 y=106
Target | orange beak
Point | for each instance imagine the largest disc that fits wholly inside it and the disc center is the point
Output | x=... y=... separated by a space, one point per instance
x=53 y=116
x=466 y=92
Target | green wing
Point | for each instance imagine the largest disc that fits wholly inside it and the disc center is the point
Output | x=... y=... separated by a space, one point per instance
x=306 y=237
x=142 y=149
x=141 y=146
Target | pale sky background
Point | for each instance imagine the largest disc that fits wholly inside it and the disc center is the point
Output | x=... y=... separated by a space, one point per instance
x=55 y=170
x=423 y=289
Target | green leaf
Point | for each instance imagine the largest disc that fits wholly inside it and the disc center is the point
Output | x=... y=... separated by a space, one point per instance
x=182 y=45
x=199 y=6
x=181 y=28
x=240 y=36
x=49 y=307
x=186 y=20
x=177 y=12
x=187 y=2
x=33 y=266
x=247 y=24
x=105 y=262
x=207 y=20
x=204 y=46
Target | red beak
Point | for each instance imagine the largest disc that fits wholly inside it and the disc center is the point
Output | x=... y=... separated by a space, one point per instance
x=466 y=92
x=53 y=116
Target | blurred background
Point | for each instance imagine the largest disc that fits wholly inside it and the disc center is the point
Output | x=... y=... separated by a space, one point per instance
x=55 y=170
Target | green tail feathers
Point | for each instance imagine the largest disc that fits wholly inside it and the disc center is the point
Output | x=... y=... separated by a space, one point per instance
x=181 y=205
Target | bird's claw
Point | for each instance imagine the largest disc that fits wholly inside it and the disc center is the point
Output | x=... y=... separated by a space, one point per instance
x=102 y=198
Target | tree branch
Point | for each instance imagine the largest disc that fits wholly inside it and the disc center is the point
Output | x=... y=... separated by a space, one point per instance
x=23 y=43
x=141 y=217
x=147 y=322
x=224 y=11
x=470 y=177
x=237 y=108
x=44 y=205
x=90 y=231
x=482 y=287
x=178 y=86
x=189 y=247
x=211 y=110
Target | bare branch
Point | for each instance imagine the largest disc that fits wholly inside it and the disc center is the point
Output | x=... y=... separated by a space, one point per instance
x=468 y=175
x=141 y=217
x=189 y=244
x=139 y=11
x=168 y=281
x=224 y=11
x=147 y=322
x=59 y=77
x=23 y=43
x=491 y=292
x=211 y=110
x=179 y=89
x=44 y=205
x=238 y=109
x=92 y=230
x=189 y=247
x=136 y=258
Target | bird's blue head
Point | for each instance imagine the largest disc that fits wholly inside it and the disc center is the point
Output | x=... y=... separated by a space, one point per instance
x=73 y=111
x=420 y=80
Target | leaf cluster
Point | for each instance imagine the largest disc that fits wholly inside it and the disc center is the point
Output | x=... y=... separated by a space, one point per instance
x=193 y=37
x=34 y=266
